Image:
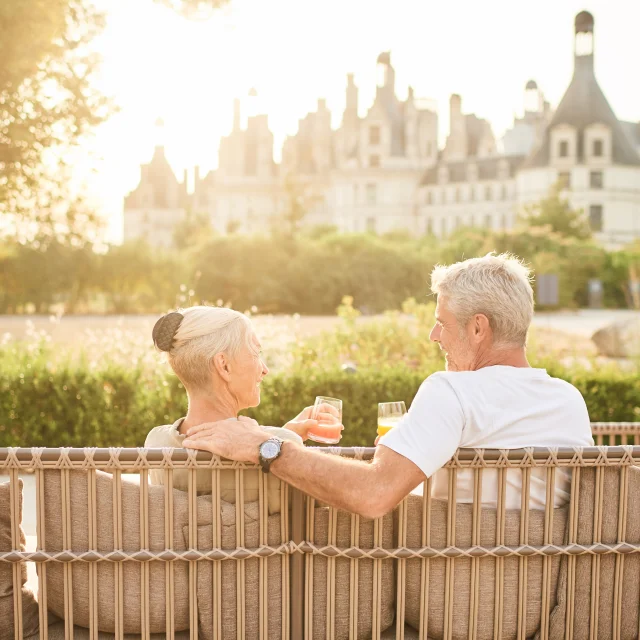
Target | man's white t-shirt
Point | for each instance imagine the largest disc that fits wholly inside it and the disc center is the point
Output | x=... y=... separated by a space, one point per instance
x=496 y=407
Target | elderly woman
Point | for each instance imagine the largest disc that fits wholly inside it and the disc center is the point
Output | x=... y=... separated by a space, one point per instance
x=216 y=355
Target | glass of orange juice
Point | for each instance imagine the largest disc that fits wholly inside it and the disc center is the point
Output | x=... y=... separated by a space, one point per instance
x=328 y=412
x=389 y=414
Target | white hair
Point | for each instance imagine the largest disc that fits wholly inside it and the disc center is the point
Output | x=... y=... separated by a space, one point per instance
x=203 y=333
x=497 y=286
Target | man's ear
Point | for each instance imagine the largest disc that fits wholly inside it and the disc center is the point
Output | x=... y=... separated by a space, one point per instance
x=481 y=327
x=220 y=363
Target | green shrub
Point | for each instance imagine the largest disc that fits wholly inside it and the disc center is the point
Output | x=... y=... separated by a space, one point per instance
x=73 y=405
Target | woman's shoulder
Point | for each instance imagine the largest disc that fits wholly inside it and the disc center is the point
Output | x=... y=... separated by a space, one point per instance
x=166 y=435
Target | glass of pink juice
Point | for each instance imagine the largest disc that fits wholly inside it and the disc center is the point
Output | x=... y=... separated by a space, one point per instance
x=328 y=413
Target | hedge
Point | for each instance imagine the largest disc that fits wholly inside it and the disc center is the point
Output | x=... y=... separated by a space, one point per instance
x=75 y=406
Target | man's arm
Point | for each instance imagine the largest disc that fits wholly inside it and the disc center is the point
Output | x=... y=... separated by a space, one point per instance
x=368 y=489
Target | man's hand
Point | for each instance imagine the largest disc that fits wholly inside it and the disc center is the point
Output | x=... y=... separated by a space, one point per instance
x=233 y=439
x=303 y=422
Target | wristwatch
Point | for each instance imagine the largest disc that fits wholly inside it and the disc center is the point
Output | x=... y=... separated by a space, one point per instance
x=269 y=450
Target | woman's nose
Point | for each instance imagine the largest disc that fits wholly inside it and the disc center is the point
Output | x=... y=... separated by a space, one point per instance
x=434 y=336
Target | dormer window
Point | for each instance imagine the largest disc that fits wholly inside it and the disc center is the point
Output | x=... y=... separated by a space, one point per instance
x=598 y=148
x=563 y=149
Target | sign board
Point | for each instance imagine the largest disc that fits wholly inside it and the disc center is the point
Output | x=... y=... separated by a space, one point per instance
x=547 y=289
x=595 y=291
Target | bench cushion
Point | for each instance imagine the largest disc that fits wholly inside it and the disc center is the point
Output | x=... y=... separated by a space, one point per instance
x=603 y=568
x=30 y=621
x=487 y=567
x=342 y=577
x=229 y=583
x=106 y=579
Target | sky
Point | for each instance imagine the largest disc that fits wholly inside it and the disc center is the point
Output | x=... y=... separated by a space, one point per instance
x=157 y=64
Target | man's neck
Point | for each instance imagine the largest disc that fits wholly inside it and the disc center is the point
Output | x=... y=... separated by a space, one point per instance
x=502 y=357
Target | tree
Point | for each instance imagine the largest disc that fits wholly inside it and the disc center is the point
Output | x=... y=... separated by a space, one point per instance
x=194 y=230
x=194 y=9
x=555 y=213
x=299 y=200
x=48 y=103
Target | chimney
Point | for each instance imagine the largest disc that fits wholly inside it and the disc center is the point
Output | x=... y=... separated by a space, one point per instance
x=236 y=114
x=584 y=41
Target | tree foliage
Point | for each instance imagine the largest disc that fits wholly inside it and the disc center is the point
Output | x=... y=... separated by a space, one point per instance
x=48 y=103
x=555 y=214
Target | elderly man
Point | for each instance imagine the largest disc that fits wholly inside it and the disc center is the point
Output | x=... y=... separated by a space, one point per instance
x=488 y=397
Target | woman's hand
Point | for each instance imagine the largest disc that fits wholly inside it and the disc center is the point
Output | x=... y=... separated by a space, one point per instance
x=303 y=422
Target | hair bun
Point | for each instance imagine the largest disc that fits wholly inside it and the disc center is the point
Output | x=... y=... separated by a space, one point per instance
x=164 y=330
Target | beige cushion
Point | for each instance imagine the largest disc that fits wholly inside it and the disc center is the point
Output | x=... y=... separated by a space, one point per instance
x=229 y=581
x=342 y=573
x=56 y=632
x=585 y=564
x=390 y=634
x=30 y=621
x=462 y=570
x=105 y=538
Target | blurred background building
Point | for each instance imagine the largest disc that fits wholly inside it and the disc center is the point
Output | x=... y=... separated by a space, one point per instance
x=384 y=171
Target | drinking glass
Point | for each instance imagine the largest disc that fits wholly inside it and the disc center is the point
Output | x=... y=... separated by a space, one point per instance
x=329 y=429
x=389 y=414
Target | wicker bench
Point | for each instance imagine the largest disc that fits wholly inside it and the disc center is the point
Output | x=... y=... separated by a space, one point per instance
x=119 y=558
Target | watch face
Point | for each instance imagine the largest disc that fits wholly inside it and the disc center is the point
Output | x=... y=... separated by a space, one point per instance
x=269 y=450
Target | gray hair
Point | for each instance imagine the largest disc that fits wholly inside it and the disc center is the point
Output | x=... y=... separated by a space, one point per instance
x=203 y=333
x=497 y=286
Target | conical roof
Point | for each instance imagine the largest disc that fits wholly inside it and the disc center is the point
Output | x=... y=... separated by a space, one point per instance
x=584 y=104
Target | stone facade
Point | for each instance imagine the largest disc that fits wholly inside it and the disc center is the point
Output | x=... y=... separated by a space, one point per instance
x=384 y=171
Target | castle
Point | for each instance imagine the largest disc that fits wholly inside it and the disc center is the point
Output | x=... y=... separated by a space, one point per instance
x=385 y=172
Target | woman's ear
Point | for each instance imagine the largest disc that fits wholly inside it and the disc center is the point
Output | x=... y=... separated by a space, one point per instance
x=220 y=363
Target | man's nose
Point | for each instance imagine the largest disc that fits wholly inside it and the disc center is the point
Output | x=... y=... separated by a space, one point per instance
x=265 y=369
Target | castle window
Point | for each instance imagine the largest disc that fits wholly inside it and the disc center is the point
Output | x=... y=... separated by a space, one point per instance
x=374 y=134
x=371 y=225
x=503 y=192
x=564 y=180
x=595 y=217
x=371 y=194
x=598 y=148
x=429 y=226
x=443 y=227
x=457 y=194
x=488 y=222
x=374 y=161
x=563 y=150
x=487 y=192
x=596 y=180
x=429 y=199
